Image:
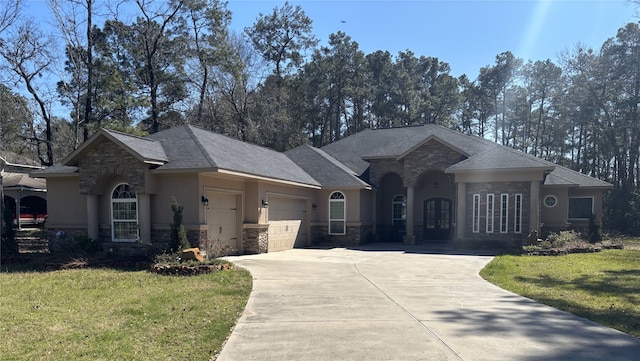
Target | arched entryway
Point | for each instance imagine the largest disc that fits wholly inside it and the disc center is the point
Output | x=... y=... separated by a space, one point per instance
x=435 y=192
x=391 y=209
x=437 y=222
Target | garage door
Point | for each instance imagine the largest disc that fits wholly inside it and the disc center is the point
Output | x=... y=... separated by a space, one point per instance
x=287 y=223
x=222 y=219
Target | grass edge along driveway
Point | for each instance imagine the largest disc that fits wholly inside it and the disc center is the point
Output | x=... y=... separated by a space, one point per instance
x=603 y=287
x=103 y=314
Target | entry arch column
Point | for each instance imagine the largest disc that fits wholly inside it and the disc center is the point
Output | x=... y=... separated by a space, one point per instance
x=410 y=238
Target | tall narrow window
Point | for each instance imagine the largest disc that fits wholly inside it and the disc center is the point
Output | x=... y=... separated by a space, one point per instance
x=124 y=214
x=399 y=211
x=517 y=217
x=504 y=213
x=490 y=202
x=337 y=213
x=476 y=213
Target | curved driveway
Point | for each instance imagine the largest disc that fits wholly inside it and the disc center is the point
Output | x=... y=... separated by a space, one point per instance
x=402 y=303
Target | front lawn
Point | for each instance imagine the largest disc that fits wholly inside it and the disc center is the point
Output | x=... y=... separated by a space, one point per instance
x=603 y=287
x=102 y=314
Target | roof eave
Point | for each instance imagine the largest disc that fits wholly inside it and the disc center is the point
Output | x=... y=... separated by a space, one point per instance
x=269 y=179
x=501 y=170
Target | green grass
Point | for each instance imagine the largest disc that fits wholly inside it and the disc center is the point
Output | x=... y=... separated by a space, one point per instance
x=603 y=287
x=101 y=314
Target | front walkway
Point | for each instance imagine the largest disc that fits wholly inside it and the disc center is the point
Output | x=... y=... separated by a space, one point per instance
x=402 y=303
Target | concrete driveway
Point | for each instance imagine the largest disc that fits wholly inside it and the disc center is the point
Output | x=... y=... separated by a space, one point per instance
x=402 y=303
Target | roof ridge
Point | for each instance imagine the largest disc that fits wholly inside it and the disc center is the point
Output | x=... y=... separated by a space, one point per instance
x=128 y=135
x=196 y=140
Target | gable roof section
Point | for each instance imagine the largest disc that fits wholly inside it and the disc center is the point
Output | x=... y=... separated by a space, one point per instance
x=325 y=169
x=354 y=150
x=562 y=176
x=192 y=148
x=501 y=158
x=144 y=149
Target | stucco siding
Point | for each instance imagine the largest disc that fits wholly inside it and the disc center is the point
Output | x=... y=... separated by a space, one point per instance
x=65 y=205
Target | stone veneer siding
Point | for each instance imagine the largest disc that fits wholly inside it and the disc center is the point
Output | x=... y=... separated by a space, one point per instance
x=255 y=238
x=109 y=159
x=496 y=239
x=355 y=235
x=432 y=155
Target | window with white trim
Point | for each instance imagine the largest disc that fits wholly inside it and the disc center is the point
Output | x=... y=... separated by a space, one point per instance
x=399 y=210
x=476 y=214
x=517 y=217
x=124 y=214
x=504 y=213
x=580 y=207
x=490 y=221
x=337 y=214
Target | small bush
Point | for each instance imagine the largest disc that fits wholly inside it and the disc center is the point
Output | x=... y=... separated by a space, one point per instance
x=87 y=245
x=559 y=240
x=178 y=233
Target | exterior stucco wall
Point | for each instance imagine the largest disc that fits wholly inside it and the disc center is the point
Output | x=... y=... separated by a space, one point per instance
x=66 y=207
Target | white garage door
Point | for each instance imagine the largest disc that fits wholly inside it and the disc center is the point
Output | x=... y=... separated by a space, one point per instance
x=222 y=219
x=287 y=223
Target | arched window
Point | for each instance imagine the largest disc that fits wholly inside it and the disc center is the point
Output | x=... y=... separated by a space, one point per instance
x=124 y=214
x=399 y=211
x=337 y=213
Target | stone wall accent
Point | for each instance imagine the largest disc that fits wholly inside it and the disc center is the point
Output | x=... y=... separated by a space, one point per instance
x=478 y=240
x=62 y=240
x=255 y=238
x=355 y=235
x=380 y=167
x=107 y=158
x=432 y=155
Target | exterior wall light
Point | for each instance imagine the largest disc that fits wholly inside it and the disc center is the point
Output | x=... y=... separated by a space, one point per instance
x=205 y=201
x=265 y=204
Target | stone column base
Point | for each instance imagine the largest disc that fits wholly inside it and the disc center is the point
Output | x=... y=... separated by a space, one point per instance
x=409 y=239
x=255 y=238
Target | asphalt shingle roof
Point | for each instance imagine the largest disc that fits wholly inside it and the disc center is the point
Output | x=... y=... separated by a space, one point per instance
x=340 y=164
x=501 y=157
x=189 y=147
x=325 y=169
x=353 y=151
x=562 y=176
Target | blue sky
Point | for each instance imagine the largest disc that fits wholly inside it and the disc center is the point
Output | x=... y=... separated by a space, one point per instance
x=465 y=34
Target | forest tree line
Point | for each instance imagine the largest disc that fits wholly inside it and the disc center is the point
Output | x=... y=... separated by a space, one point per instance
x=142 y=66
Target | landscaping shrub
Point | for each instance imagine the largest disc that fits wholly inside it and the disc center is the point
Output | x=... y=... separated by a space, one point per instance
x=178 y=233
x=594 y=234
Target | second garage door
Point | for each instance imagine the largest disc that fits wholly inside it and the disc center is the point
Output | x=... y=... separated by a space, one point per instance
x=287 y=223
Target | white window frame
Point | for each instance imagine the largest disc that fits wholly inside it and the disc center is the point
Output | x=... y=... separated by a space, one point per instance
x=114 y=220
x=338 y=197
x=475 y=223
x=504 y=213
x=490 y=212
x=517 y=214
x=402 y=200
